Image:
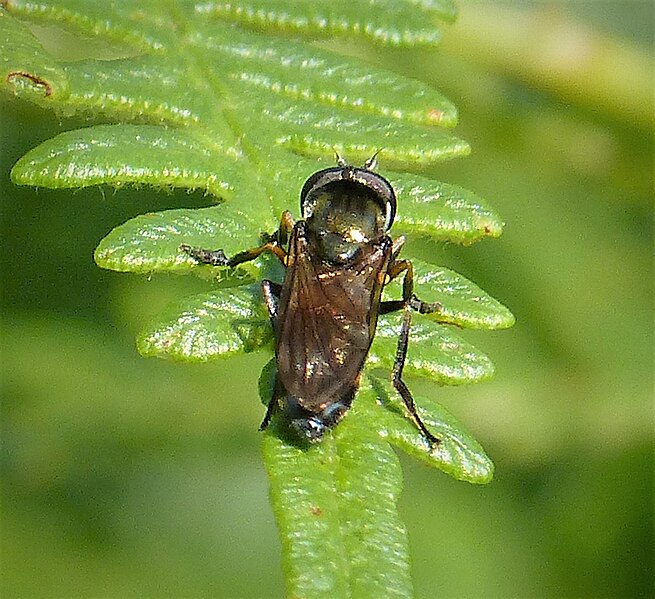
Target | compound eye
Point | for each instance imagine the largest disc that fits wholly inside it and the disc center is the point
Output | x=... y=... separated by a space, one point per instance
x=318 y=180
x=382 y=190
x=390 y=212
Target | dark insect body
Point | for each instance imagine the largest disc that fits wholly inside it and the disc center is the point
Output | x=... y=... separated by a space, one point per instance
x=338 y=259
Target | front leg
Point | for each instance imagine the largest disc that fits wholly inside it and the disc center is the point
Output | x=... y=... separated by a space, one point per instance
x=218 y=257
x=213 y=257
x=273 y=244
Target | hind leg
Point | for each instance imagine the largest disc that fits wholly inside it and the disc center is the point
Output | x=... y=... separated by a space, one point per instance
x=271 y=292
x=408 y=303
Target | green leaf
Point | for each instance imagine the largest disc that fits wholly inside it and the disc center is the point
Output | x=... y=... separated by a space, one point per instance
x=316 y=131
x=335 y=504
x=204 y=327
x=130 y=154
x=336 y=508
x=150 y=242
x=435 y=351
x=443 y=212
x=221 y=323
x=224 y=109
x=111 y=21
x=458 y=454
x=142 y=87
x=462 y=302
x=391 y=22
x=293 y=71
x=25 y=68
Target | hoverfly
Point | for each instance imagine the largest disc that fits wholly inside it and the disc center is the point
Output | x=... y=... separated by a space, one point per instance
x=338 y=258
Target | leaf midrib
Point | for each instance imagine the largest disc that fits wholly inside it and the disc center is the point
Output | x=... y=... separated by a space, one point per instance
x=204 y=78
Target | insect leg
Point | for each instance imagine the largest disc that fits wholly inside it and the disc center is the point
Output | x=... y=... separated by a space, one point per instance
x=273 y=404
x=270 y=410
x=271 y=293
x=281 y=236
x=408 y=303
x=272 y=244
x=218 y=257
x=398 y=383
x=391 y=306
x=285 y=227
x=409 y=299
x=396 y=268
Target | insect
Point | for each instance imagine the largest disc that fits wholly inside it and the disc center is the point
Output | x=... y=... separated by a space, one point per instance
x=337 y=260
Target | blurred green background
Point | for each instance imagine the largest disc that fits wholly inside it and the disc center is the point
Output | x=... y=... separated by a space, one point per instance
x=127 y=477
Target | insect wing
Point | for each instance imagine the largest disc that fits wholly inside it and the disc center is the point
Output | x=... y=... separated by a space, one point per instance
x=326 y=321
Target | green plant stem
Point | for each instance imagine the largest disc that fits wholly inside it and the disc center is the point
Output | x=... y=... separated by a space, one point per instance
x=341 y=531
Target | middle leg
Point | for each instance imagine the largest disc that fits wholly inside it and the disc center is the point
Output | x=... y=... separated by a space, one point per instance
x=409 y=298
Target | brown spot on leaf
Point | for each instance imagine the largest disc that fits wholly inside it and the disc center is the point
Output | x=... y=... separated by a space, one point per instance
x=435 y=115
x=33 y=78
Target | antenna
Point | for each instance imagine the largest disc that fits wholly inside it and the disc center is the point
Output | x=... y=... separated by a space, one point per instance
x=341 y=161
x=372 y=162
